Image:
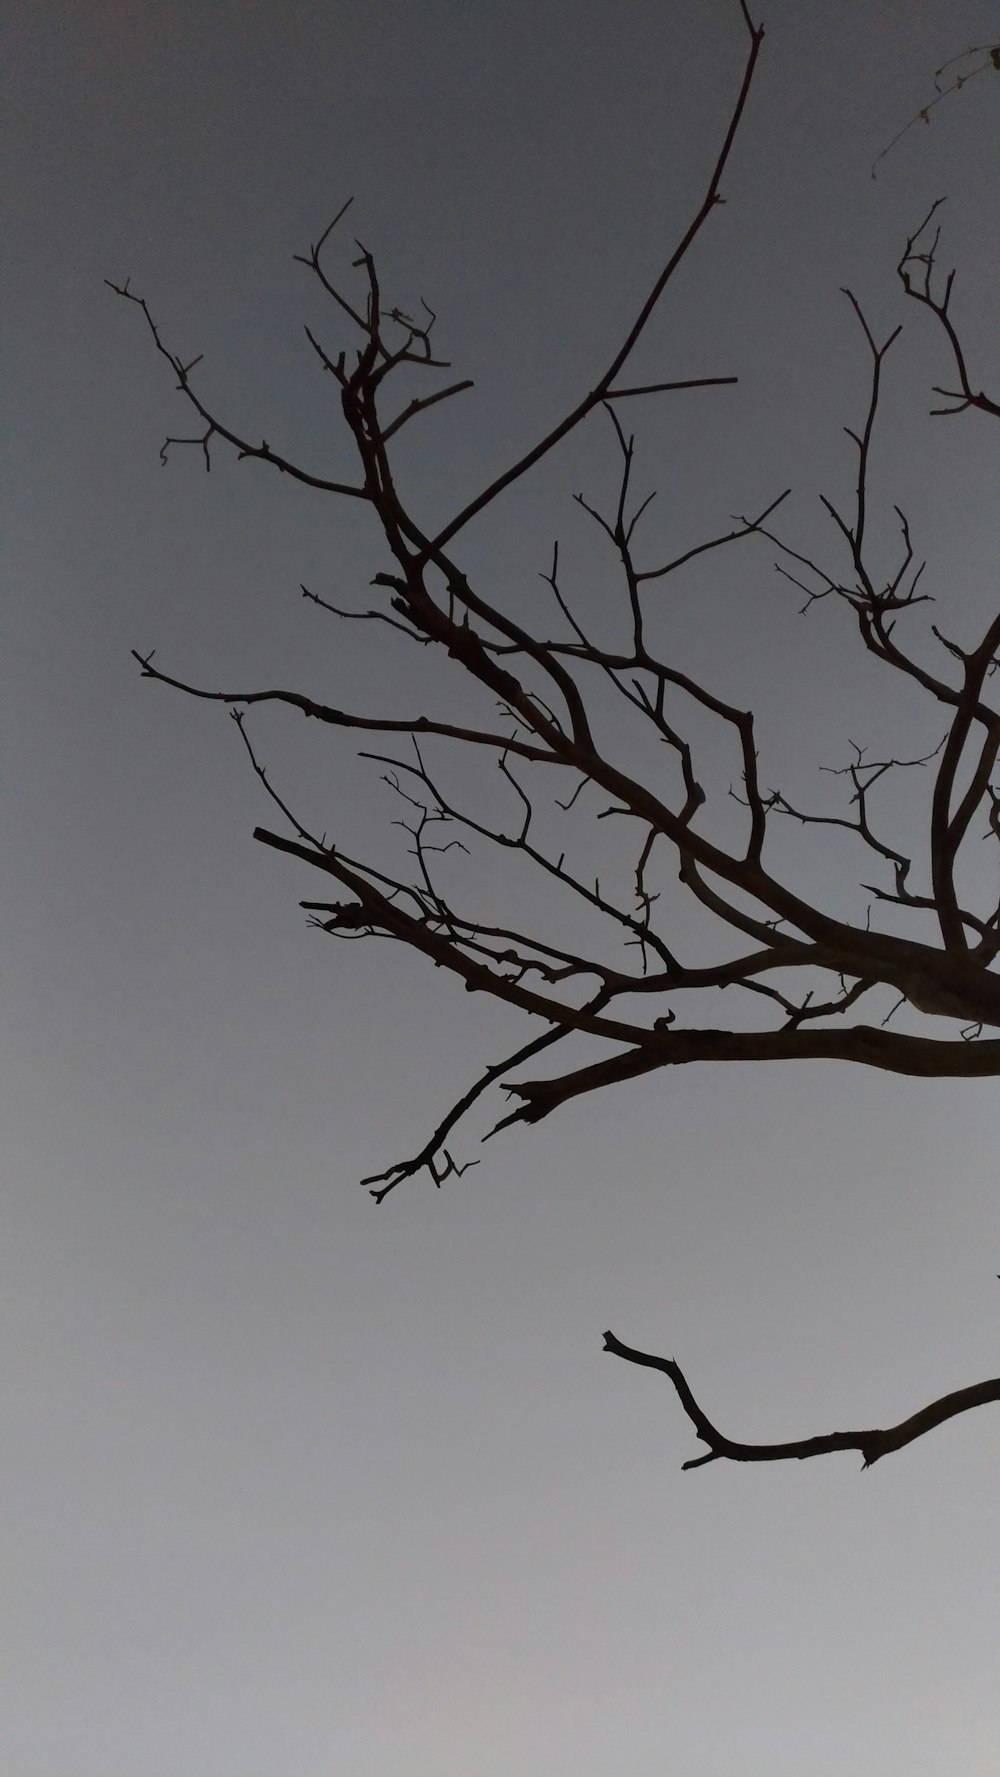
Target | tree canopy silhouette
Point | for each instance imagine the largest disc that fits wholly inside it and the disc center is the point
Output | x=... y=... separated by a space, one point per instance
x=579 y=728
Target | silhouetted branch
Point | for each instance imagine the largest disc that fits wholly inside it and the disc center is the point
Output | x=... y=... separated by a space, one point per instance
x=321 y=712
x=602 y=389
x=215 y=427
x=916 y=271
x=552 y=737
x=566 y=757
x=381 y=1183
x=872 y=1444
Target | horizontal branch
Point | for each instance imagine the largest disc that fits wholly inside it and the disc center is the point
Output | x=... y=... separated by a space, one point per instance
x=322 y=712
x=872 y=1444
x=690 y=382
x=383 y=911
x=925 y=1058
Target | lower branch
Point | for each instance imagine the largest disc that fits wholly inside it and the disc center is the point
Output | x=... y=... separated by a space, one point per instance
x=892 y=1051
x=871 y=1444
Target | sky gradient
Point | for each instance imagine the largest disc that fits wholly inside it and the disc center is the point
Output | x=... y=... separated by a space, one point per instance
x=295 y=1484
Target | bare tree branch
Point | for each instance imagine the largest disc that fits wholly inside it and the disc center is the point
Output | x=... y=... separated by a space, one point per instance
x=871 y=1444
x=598 y=730
x=603 y=389
x=916 y=271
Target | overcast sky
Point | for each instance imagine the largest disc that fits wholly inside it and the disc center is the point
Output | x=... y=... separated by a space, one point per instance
x=298 y=1485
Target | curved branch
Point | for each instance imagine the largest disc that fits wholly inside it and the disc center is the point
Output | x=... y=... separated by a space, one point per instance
x=215 y=427
x=872 y=1444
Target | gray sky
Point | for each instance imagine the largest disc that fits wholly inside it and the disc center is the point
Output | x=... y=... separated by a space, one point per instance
x=295 y=1484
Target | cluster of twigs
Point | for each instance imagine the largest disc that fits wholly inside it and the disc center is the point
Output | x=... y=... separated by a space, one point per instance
x=809 y=967
x=790 y=939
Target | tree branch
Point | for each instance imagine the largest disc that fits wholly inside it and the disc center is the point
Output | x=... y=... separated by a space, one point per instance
x=603 y=389
x=872 y=1444
x=809 y=968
